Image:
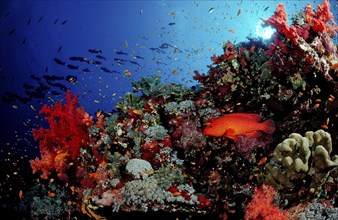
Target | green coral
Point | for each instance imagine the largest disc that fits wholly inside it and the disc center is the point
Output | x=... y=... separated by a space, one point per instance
x=45 y=206
x=165 y=176
x=297 y=82
x=130 y=101
x=298 y=157
x=152 y=87
x=156 y=133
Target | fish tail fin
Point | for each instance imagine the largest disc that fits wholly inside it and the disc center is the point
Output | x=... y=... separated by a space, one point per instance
x=269 y=126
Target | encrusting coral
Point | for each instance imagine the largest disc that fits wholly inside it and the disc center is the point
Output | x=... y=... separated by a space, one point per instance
x=298 y=157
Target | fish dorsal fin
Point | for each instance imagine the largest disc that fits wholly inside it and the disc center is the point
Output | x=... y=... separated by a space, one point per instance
x=248 y=116
x=212 y=119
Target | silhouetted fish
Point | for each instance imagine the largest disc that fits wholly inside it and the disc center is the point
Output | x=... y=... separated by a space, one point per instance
x=55 y=93
x=9 y=97
x=35 y=77
x=35 y=94
x=56 y=21
x=53 y=77
x=101 y=57
x=94 y=51
x=11 y=32
x=95 y=62
x=81 y=59
x=61 y=86
x=134 y=62
x=139 y=57
x=56 y=60
x=60 y=48
x=72 y=67
x=87 y=70
x=23 y=41
x=64 y=22
x=40 y=19
x=104 y=69
x=29 y=20
x=156 y=50
x=27 y=86
x=121 y=52
x=119 y=60
x=165 y=46
x=171 y=23
x=7 y=14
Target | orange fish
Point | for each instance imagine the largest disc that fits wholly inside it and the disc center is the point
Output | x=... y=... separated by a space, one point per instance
x=235 y=124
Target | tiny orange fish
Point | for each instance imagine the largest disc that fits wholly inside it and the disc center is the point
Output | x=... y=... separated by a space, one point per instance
x=232 y=31
x=235 y=124
x=334 y=66
x=61 y=156
x=51 y=194
x=20 y=194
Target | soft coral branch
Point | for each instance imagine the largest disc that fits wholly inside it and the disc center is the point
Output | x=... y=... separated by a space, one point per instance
x=60 y=143
x=261 y=205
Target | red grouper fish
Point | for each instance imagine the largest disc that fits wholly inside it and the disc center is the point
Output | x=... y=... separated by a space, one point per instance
x=235 y=124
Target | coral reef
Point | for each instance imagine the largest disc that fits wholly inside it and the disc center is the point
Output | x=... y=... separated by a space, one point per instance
x=150 y=152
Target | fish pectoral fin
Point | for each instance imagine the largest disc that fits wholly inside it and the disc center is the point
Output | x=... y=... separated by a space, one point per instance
x=230 y=133
x=254 y=134
x=233 y=137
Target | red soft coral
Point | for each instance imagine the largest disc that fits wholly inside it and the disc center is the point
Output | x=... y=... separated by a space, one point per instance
x=279 y=21
x=261 y=206
x=320 y=18
x=60 y=143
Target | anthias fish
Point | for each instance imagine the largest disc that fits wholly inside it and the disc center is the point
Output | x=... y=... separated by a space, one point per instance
x=235 y=124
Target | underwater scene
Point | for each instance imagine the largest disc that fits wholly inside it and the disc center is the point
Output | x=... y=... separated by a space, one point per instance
x=169 y=109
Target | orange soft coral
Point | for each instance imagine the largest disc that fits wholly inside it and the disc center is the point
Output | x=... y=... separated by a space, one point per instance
x=60 y=143
x=261 y=206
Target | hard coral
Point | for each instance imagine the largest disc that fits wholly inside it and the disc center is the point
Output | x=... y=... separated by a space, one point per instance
x=60 y=143
x=300 y=158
